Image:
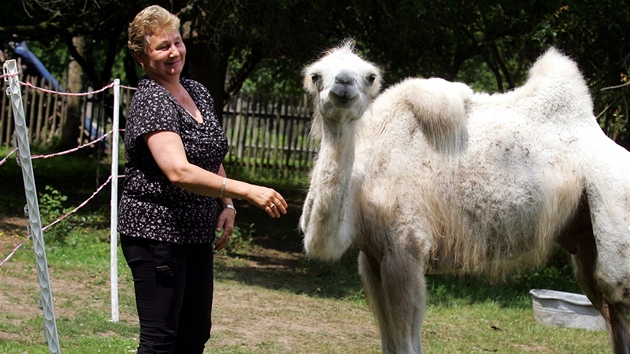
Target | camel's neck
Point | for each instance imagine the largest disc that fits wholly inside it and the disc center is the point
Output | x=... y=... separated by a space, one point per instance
x=325 y=221
x=336 y=159
x=332 y=174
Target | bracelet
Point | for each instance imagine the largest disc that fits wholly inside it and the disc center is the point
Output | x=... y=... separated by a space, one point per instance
x=223 y=187
x=230 y=206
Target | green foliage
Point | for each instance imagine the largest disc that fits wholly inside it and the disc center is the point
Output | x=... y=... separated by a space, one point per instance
x=475 y=73
x=54 y=54
x=268 y=78
x=489 y=44
x=241 y=240
x=50 y=208
x=72 y=227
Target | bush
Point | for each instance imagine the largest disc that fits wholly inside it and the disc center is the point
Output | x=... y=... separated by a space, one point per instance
x=50 y=209
x=241 y=240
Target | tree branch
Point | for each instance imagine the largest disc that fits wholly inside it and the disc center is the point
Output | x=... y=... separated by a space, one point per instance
x=504 y=68
x=235 y=83
x=87 y=69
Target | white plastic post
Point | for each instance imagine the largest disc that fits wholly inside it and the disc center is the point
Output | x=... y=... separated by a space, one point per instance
x=114 y=205
x=32 y=206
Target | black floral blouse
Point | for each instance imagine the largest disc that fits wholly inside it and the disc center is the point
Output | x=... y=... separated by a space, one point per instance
x=151 y=206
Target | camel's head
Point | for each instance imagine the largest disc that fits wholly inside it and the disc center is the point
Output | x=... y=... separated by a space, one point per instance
x=342 y=83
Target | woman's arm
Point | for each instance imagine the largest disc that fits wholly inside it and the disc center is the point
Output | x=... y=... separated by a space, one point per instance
x=168 y=151
x=225 y=223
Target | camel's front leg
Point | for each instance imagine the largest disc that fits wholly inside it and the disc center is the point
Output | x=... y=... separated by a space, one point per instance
x=395 y=290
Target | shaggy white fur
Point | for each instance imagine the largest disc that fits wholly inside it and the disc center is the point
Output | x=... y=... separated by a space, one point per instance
x=431 y=177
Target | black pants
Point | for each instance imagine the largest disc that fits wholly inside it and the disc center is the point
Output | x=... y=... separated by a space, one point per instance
x=173 y=285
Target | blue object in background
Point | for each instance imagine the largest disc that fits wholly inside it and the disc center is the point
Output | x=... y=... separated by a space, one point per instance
x=35 y=65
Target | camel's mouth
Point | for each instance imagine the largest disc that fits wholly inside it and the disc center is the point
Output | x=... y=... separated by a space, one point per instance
x=343 y=95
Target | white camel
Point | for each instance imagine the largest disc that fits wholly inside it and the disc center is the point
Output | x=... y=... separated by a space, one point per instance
x=431 y=177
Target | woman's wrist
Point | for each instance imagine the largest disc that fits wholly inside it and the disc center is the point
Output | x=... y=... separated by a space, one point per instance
x=230 y=206
x=223 y=185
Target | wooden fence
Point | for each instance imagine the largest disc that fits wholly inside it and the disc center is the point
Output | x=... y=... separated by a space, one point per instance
x=268 y=137
x=45 y=114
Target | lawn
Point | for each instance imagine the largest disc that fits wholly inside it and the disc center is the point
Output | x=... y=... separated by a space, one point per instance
x=269 y=298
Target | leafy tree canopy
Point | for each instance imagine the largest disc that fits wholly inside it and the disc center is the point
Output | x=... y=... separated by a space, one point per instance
x=489 y=44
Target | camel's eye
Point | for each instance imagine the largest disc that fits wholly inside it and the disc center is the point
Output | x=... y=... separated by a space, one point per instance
x=371 y=79
x=315 y=78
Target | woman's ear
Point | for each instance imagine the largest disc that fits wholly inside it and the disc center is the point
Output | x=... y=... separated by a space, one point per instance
x=139 y=59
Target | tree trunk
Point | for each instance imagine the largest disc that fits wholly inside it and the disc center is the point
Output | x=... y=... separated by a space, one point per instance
x=208 y=65
x=71 y=127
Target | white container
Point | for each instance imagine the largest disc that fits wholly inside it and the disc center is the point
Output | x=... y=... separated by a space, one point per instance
x=558 y=308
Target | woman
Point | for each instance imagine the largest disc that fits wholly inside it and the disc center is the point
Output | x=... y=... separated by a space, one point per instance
x=176 y=193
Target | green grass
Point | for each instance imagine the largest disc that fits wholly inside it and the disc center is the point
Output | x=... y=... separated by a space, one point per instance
x=268 y=297
x=464 y=314
x=80 y=284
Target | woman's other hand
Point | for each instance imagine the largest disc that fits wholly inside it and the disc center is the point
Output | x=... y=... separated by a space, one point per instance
x=225 y=226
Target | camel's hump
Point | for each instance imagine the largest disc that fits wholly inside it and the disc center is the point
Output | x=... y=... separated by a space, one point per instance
x=555 y=91
x=554 y=63
x=439 y=107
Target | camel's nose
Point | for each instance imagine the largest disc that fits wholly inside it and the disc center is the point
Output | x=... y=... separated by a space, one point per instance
x=344 y=77
x=344 y=90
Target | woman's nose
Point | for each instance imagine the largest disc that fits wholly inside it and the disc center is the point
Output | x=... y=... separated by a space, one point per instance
x=174 y=51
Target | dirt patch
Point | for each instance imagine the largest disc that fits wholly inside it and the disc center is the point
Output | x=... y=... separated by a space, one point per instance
x=12 y=233
x=247 y=317
x=248 y=311
x=19 y=305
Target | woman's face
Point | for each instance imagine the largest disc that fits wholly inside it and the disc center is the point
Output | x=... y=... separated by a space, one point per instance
x=165 y=55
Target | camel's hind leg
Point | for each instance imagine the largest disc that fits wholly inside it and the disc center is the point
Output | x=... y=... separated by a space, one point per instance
x=602 y=268
x=615 y=315
x=395 y=290
x=617 y=328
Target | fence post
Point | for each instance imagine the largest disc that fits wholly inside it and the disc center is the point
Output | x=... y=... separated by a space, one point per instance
x=113 y=257
x=32 y=206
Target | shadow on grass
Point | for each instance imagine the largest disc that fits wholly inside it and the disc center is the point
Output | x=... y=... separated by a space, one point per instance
x=340 y=280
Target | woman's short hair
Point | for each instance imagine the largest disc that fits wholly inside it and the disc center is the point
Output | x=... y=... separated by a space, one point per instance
x=149 y=21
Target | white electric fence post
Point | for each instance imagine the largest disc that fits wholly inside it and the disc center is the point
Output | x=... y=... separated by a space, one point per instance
x=114 y=205
x=32 y=206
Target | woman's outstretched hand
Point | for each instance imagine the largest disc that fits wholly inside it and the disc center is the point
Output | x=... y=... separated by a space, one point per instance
x=269 y=200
